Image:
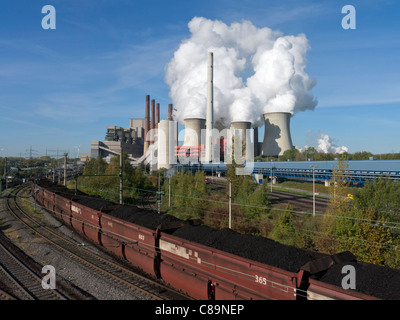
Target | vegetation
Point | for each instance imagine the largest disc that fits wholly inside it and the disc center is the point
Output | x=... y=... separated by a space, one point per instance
x=367 y=225
x=20 y=168
x=102 y=179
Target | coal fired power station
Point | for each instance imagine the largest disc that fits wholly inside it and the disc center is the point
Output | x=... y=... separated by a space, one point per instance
x=207 y=139
x=202 y=140
x=154 y=141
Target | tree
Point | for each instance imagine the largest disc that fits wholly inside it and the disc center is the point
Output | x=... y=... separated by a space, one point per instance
x=378 y=204
x=363 y=226
x=330 y=232
x=363 y=155
x=290 y=154
x=95 y=166
x=237 y=180
x=189 y=193
x=284 y=231
x=242 y=195
x=107 y=187
x=382 y=195
x=259 y=201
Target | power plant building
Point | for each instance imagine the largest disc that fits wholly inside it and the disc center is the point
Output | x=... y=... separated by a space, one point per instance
x=153 y=141
x=131 y=140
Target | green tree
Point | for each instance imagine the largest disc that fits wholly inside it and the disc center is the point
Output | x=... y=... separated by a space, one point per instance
x=95 y=166
x=360 y=155
x=189 y=194
x=284 y=231
x=362 y=226
x=290 y=154
x=237 y=180
x=259 y=200
x=382 y=195
x=330 y=231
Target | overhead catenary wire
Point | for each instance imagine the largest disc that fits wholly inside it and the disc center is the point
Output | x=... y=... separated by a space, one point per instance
x=394 y=226
x=388 y=224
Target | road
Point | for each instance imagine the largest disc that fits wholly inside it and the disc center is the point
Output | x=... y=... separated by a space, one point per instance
x=299 y=202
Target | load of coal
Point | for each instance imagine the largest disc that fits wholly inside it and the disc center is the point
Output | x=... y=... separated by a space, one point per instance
x=145 y=218
x=251 y=247
x=129 y=213
x=56 y=188
x=373 y=280
x=93 y=202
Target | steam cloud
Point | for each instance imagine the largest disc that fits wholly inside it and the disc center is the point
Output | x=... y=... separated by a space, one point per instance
x=256 y=70
x=326 y=145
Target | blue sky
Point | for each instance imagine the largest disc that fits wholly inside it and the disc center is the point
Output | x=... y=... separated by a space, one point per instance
x=60 y=88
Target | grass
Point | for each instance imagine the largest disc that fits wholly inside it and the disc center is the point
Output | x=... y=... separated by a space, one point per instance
x=308 y=187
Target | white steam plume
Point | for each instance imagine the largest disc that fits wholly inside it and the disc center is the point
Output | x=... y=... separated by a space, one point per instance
x=256 y=70
x=326 y=145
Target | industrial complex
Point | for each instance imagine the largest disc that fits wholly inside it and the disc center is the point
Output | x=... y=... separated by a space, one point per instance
x=208 y=145
x=151 y=141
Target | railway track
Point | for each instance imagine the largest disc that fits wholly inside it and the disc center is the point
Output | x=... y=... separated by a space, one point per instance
x=6 y=296
x=298 y=201
x=22 y=279
x=115 y=272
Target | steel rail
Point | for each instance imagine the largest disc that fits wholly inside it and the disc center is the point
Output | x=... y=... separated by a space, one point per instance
x=112 y=270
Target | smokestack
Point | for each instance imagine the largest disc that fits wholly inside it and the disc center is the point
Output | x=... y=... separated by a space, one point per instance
x=146 y=124
x=170 y=111
x=193 y=129
x=152 y=121
x=256 y=151
x=277 y=137
x=210 y=111
x=157 y=114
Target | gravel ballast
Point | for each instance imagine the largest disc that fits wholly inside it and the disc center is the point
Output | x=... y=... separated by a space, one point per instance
x=93 y=286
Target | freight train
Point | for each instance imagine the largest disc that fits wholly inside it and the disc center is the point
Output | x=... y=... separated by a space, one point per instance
x=210 y=264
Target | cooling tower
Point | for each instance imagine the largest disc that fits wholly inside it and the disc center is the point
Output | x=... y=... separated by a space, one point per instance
x=242 y=140
x=193 y=131
x=240 y=126
x=277 y=137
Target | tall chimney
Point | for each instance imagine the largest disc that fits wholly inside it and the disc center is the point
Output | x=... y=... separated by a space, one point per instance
x=256 y=152
x=170 y=111
x=157 y=114
x=152 y=121
x=210 y=111
x=146 y=124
